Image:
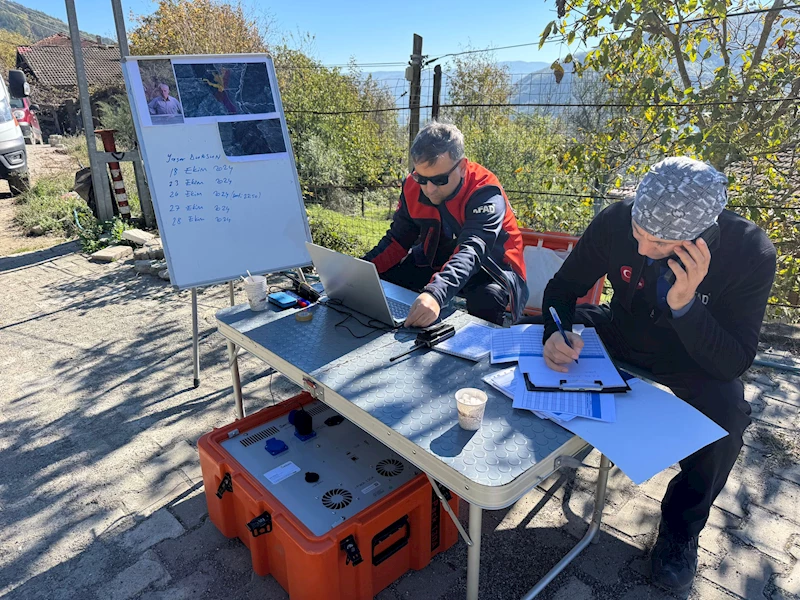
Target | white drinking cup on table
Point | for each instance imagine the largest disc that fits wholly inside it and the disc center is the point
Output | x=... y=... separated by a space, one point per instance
x=256 y=288
x=471 y=406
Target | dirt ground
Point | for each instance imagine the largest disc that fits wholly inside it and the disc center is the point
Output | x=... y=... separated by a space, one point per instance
x=43 y=160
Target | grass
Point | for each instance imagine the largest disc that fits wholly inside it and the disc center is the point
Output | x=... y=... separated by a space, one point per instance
x=348 y=234
x=47 y=206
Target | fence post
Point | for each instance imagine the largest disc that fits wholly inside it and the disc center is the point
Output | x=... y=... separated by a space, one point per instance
x=437 y=91
x=145 y=201
x=99 y=177
x=414 y=94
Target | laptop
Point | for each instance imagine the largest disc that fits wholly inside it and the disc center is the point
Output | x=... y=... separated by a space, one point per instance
x=356 y=284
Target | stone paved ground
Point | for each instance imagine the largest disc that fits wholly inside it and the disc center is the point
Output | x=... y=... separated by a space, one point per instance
x=101 y=494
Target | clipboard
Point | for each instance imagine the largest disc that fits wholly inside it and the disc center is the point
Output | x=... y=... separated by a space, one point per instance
x=595 y=371
x=577 y=386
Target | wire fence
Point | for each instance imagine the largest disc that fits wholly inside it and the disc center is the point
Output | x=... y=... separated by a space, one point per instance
x=521 y=132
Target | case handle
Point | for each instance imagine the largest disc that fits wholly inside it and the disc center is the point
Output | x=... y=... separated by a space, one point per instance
x=385 y=534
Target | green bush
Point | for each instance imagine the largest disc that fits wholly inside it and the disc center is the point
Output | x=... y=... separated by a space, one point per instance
x=349 y=235
x=49 y=206
x=116 y=114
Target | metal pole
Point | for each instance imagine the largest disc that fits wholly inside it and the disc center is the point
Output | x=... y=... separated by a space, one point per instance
x=236 y=382
x=599 y=504
x=414 y=95
x=437 y=91
x=99 y=178
x=145 y=201
x=195 y=340
x=230 y=293
x=474 y=551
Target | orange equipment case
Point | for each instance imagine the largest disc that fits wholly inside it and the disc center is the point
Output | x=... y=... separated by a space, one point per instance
x=356 y=559
x=559 y=241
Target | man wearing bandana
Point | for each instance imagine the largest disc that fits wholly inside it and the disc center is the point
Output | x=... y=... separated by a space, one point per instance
x=691 y=282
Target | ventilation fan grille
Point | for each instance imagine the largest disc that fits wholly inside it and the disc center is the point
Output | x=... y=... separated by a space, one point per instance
x=389 y=467
x=315 y=410
x=336 y=499
x=261 y=435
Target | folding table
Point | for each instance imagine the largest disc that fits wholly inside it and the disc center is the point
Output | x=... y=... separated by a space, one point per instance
x=409 y=405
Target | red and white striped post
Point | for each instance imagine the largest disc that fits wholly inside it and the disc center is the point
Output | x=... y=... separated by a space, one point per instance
x=109 y=145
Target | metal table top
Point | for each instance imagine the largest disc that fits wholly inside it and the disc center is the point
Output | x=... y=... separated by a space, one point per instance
x=410 y=404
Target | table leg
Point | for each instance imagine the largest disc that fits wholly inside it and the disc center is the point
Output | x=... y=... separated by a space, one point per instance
x=594 y=527
x=195 y=340
x=474 y=551
x=233 y=361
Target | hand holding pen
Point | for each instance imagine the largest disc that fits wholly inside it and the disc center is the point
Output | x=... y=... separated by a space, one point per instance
x=560 y=350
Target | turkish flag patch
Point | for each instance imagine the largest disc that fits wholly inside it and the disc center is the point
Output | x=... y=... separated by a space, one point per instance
x=626 y=273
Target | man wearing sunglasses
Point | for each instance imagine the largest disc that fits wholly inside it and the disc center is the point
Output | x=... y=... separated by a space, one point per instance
x=691 y=283
x=454 y=233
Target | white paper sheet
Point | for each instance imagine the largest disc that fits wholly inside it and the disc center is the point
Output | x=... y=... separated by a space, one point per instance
x=653 y=431
x=505 y=381
x=589 y=405
x=594 y=364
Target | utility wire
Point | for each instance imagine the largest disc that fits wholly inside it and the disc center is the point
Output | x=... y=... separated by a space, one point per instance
x=562 y=39
x=553 y=105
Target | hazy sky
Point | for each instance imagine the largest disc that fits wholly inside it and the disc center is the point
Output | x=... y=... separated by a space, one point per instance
x=373 y=31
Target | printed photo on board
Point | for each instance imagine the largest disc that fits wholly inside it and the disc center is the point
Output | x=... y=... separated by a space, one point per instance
x=225 y=89
x=161 y=92
x=252 y=138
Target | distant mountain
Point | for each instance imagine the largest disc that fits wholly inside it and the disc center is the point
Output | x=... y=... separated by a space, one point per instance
x=396 y=80
x=35 y=25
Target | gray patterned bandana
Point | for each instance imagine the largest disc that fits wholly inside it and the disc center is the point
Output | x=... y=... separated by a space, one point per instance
x=679 y=198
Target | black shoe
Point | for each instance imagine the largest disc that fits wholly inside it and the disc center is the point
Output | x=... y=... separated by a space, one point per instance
x=673 y=561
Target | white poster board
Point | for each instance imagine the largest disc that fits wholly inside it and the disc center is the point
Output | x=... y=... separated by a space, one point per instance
x=219 y=165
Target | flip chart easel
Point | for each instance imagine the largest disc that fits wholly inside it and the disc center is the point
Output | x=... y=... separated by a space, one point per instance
x=220 y=168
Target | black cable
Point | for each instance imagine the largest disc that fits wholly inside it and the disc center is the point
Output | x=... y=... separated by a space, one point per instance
x=332 y=304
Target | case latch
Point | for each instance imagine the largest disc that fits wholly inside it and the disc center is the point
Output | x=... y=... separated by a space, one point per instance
x=226 y=485
x=350 y=548
x=261 y=524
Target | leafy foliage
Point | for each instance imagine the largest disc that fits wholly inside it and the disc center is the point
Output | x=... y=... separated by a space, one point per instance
x=116 y=114
x=9 y=40
x=198 y=27
x=691 y=78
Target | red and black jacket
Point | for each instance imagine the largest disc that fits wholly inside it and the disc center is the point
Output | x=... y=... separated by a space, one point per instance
x=484 y=235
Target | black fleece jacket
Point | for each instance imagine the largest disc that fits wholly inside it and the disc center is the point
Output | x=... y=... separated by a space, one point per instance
x=718 y=336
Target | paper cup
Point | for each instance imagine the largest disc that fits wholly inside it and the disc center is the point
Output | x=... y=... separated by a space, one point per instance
x=471 y=406
x=256 y=288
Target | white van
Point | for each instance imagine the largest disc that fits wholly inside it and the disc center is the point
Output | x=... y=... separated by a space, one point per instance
x=13 y=158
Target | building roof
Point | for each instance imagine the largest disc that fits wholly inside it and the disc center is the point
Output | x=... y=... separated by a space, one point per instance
x=53 y=65
x=63 y=39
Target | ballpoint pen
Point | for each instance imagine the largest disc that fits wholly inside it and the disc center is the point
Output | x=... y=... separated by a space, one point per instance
x=561 y=329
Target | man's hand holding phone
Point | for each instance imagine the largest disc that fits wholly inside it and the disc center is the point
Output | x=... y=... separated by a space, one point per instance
x=557 y=355
x=696 y=258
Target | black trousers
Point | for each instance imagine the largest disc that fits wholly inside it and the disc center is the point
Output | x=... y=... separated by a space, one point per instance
x=691 y=493
x=485 y=298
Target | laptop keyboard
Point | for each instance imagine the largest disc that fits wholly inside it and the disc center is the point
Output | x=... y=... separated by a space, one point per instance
x=398 y=309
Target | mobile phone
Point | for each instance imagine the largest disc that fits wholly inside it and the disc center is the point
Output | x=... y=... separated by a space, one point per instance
x=282 y=299
x=711 y=237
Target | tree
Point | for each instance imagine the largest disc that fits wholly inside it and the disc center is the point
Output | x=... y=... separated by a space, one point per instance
x=9 y=41
x=708 y=83
x=199 y=27
x=721 y=87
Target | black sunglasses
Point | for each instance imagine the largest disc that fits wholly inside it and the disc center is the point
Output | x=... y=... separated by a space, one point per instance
x=437 y=180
